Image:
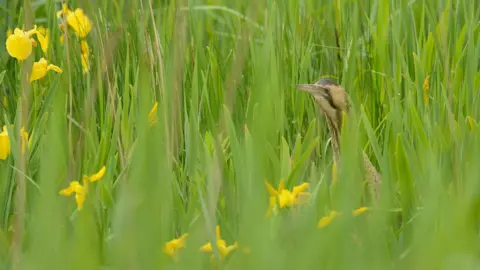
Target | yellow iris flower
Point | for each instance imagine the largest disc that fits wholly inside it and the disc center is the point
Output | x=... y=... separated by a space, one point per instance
x=82 y=190
x=285 y=197
x=19 y=44
x=172 y=247
x=221 y=244
x=79 y=22
x=40 y=68
x=79 y=190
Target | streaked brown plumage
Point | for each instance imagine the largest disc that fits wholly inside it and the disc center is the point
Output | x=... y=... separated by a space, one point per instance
x=333 y=101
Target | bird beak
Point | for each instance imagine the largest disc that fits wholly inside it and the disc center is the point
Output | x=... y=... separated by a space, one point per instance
x=312 y=89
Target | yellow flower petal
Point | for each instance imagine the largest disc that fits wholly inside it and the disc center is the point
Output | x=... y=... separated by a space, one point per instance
x=359 y=211
x=324 y=221
x=207 y=248
x=85 y=54
x=300 y=188
x=70 y=189
x=84 y=47
x=64 y=10
x=281 y=186
x=66 y=191
x=54 y=68
x=85 y=181
x=270 y=189
x=80 y=196
x=225 y=250
x=169 y=250
x=98 y=175
x=85 y=63
x=33 y=31
x=43 y=39
x=4 y=145
x=271 y=206
x=42 y=30
x=39 y=70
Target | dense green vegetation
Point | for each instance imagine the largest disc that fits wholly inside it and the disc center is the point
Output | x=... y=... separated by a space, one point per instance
x=229 y=119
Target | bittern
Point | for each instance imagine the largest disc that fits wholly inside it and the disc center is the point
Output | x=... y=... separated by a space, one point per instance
x=333 y=102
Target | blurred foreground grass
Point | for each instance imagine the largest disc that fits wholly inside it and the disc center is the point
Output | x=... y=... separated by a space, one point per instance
x=228 y=119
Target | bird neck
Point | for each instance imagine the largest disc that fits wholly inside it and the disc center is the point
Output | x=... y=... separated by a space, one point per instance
x=335 y=132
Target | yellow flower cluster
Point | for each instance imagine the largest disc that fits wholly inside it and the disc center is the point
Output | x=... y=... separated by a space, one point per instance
x=81 y=25
x=326 y=220
x=172 y=247
x=20 y=44
x=285 y=198
x=82 y=190
x=282 y=198
x=5 y=148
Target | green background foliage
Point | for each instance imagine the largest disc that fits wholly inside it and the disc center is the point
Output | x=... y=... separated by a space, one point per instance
x=223 y=73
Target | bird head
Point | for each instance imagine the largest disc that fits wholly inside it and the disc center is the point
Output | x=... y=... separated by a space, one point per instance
x=331 y=97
